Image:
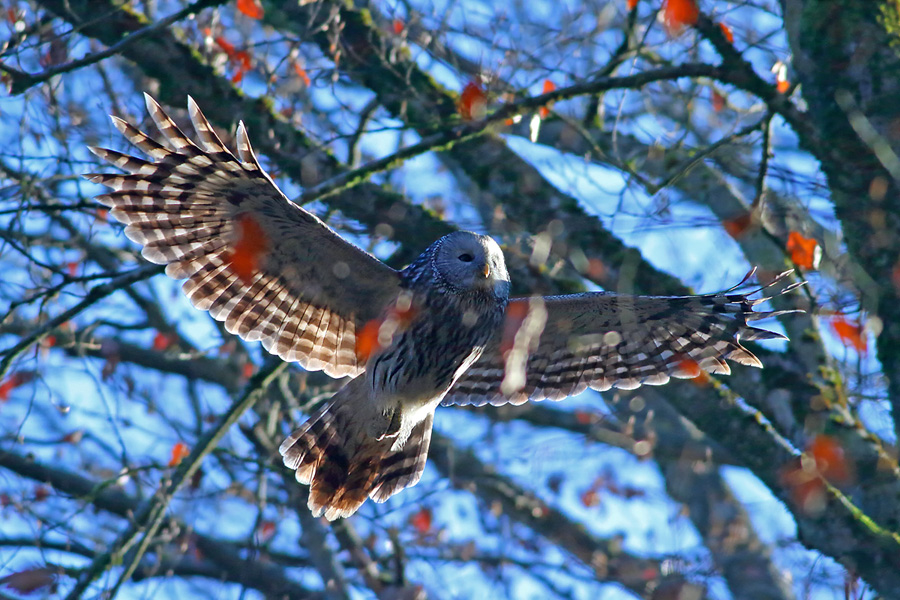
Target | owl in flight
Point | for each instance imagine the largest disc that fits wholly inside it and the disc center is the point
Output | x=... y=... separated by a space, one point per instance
x=442 y=331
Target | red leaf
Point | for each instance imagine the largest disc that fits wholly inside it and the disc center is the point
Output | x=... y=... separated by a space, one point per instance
x=583 y=417
x=421 y=521
x=251 y=247
x=398 y=25
x=266 y=531
x=851 y=334
x=251 y=8
x=472 y=102
x=248 y=370
x=739 y=225
x=30 y=580
x=804 y=251
x=783 y=86
x=226 y=47
x=180 y=451
x=590 y=497
x=13 y=381
x=678 y=13
x=549 y=86
x=41 y=493
x=72 y=269
x=718 y=101
x=726 y=31
x=632 y=4
x=161 y=341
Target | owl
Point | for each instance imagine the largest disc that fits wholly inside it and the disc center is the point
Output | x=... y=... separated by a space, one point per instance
x=442 y=331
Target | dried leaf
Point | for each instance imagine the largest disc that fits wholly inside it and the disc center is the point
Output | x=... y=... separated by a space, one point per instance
x=30 y=580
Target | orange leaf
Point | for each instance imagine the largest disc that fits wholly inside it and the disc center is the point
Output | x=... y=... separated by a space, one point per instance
x=718 y=101
x=421 y=521
x=689 y=368
x=804 y=251
x=179 y=452
x=831 y=461
x=781 y=81
x=678 y=13
x=250 y=249
x=852 y=334
x=30 y=580
x=302 y=74
x=632 y=4
x=549 y=86
x=398 y=26
x=251 y=8
x=472 y=102
x=806 y=488
x=726 y=31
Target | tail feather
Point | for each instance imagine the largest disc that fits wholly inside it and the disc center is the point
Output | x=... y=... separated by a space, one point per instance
x=335 y=454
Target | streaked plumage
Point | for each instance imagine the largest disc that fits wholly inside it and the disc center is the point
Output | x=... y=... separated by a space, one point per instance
x=440 y=331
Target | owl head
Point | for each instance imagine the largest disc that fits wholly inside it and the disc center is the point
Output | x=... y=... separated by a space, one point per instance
x=464 y=261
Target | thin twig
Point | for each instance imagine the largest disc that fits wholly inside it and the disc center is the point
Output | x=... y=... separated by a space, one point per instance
x=149 y=517
x=93 y=296
x=21 y=80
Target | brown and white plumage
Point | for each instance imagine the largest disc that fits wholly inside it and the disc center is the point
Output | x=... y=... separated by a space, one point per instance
x=438 y=331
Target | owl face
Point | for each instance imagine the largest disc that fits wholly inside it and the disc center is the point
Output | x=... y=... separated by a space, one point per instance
x=468 y=261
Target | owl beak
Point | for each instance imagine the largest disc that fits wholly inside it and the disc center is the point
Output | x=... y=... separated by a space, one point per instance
x=486 y=270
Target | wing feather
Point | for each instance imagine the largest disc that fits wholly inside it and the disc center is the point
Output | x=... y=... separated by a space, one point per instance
x=186 y=207
x=603 y=340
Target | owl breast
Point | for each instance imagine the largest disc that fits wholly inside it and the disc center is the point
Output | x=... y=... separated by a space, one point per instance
x=447 y=335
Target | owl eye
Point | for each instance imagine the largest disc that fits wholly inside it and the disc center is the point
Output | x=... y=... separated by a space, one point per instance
x=466 y=257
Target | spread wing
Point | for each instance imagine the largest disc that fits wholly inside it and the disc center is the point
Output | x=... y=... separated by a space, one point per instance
x=559 y=346
x=270 y=270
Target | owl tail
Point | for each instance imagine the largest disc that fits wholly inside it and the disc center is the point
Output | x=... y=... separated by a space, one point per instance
x=335 y=453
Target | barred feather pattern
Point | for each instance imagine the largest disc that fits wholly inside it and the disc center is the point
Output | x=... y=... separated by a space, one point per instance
x=602 y=340
x=312 y=291
x=335 y=453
